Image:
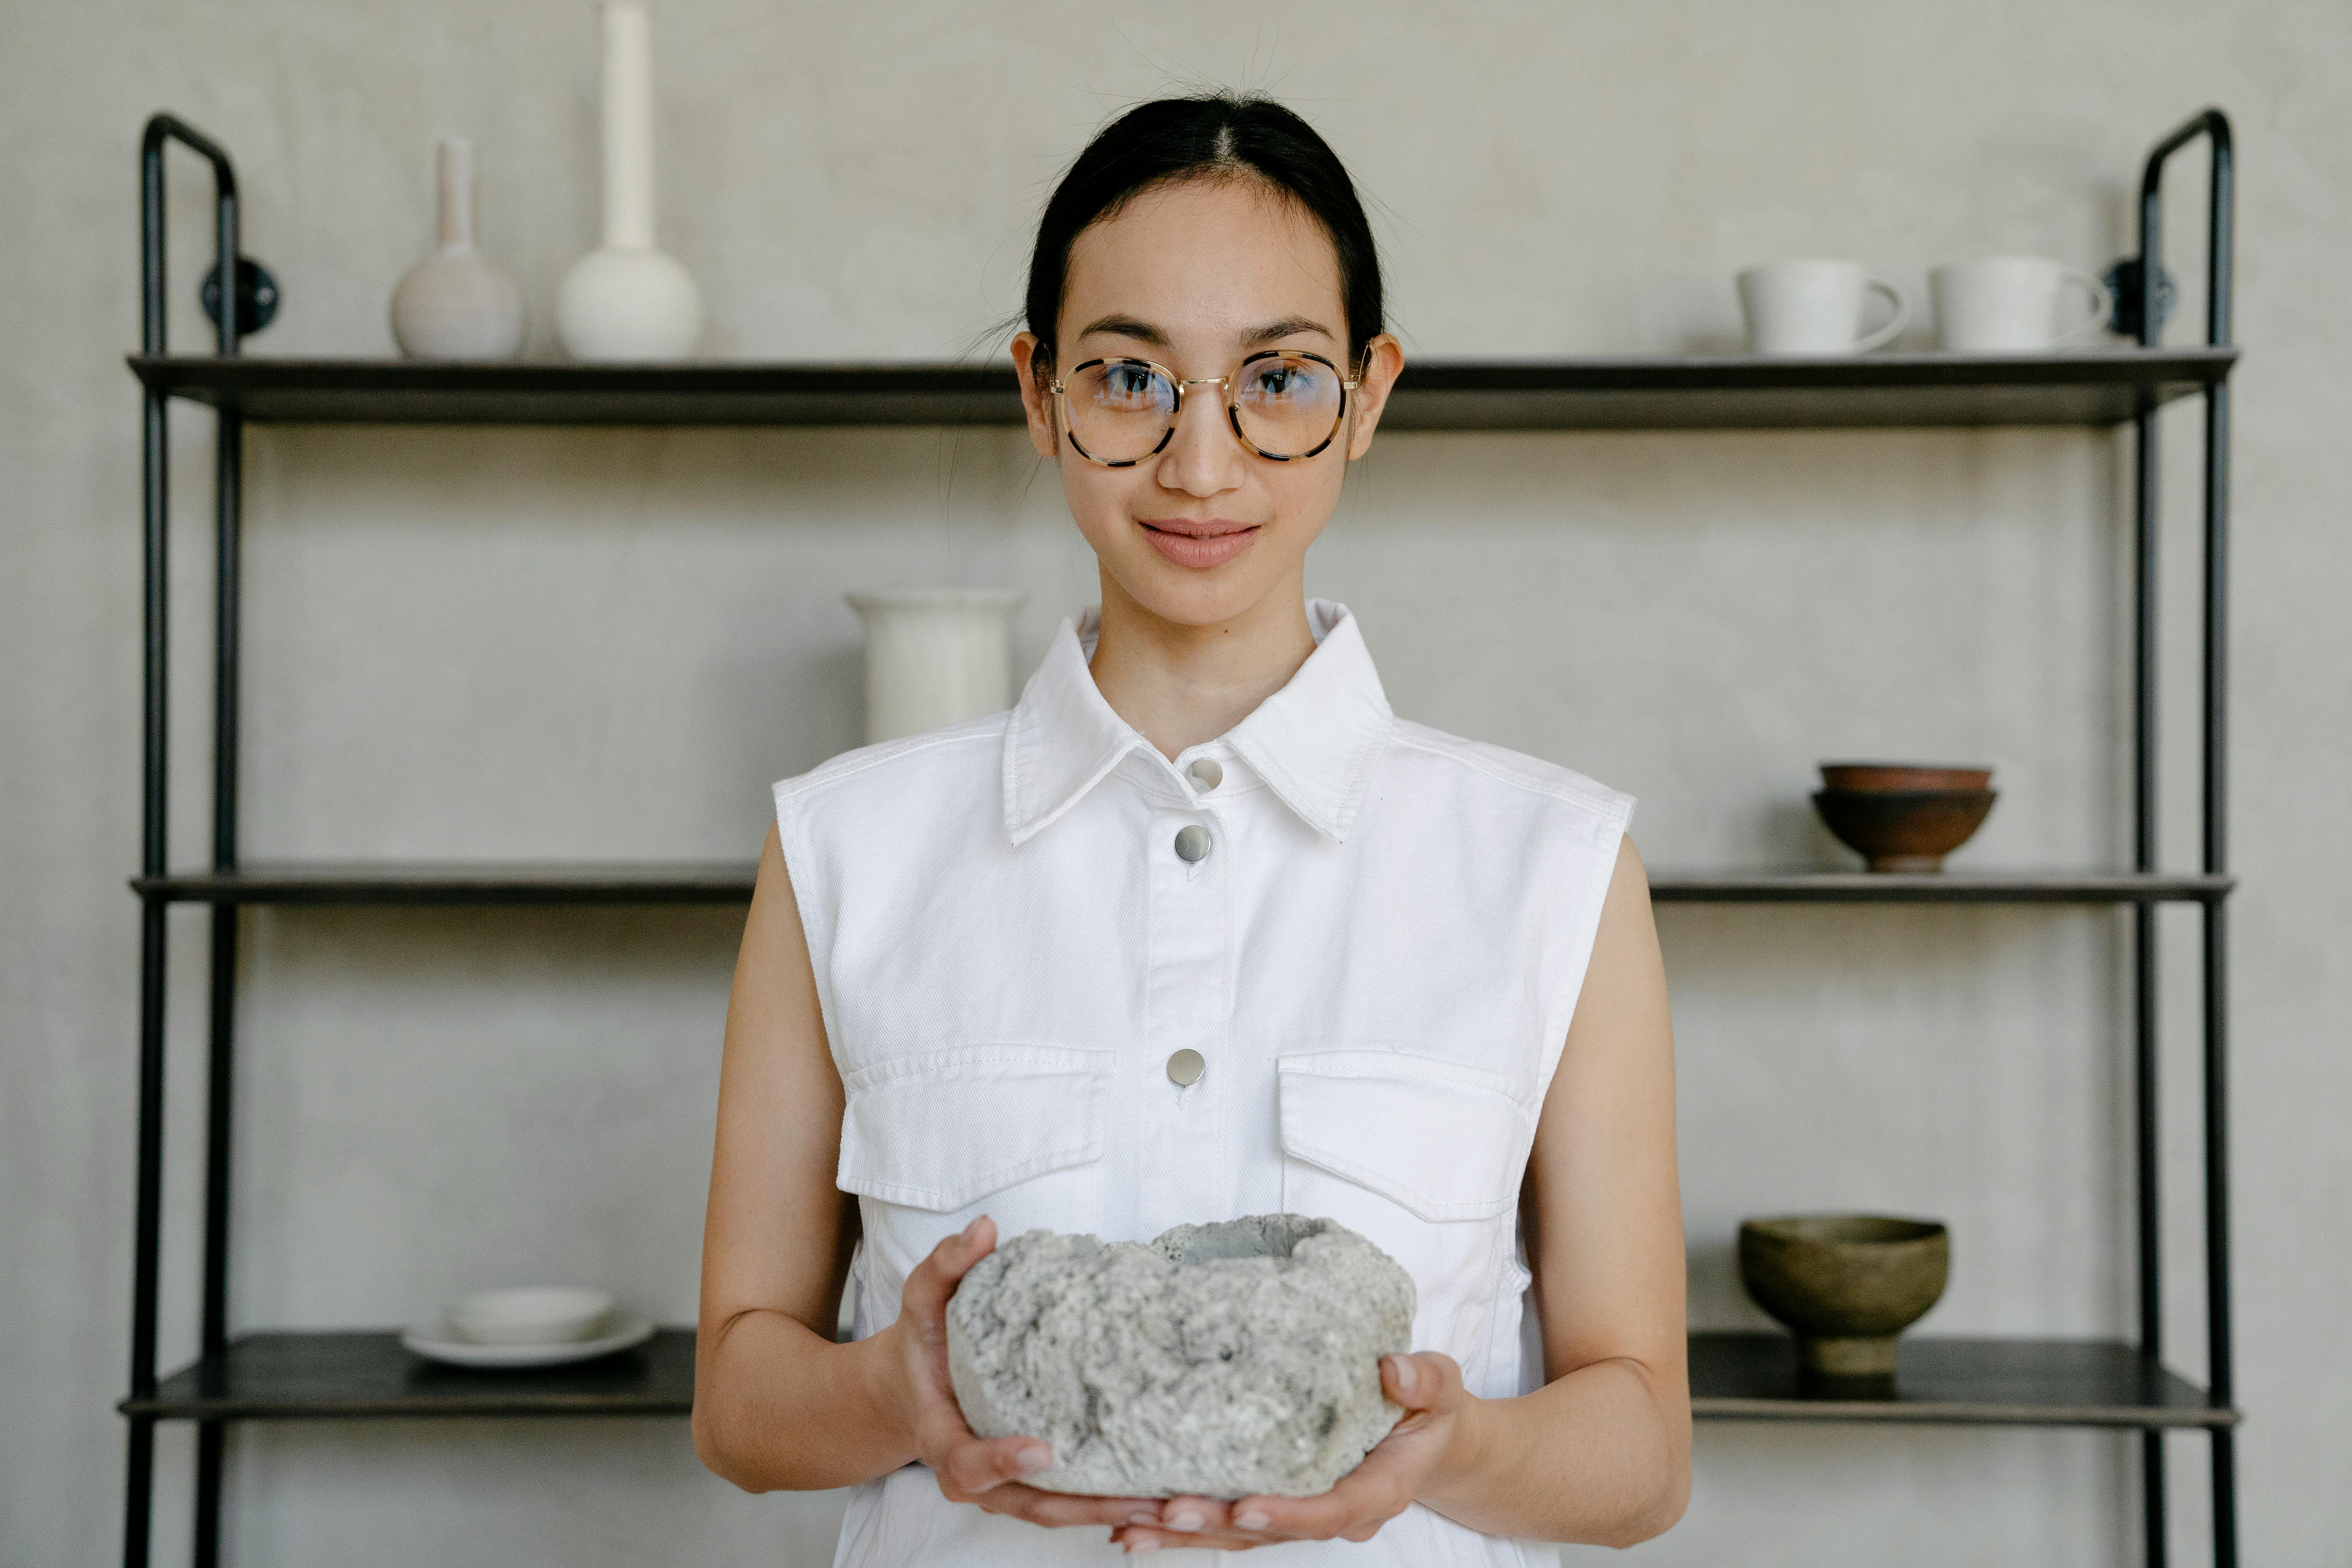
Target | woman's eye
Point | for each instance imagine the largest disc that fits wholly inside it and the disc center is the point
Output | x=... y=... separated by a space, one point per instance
x=1282 y=383
x=1128 y=384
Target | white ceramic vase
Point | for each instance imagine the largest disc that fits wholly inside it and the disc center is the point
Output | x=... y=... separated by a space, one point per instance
x=456 y=304
x=935 y=657
x=627 y=300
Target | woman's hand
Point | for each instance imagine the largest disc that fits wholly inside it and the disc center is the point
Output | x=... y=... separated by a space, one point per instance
x=914 y=1387
x=1428 y=1385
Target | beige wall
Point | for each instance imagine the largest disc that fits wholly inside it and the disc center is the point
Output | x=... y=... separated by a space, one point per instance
x=607 y=643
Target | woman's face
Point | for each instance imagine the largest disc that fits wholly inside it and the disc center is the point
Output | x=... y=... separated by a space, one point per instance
x=1193 y=277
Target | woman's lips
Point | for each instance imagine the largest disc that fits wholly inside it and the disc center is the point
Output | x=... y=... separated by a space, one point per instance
x=1200 y=545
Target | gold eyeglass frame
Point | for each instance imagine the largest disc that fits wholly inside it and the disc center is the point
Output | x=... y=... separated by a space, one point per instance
x=1232 y=404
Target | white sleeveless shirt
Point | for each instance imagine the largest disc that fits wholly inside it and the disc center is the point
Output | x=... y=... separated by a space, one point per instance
x=1377 y=956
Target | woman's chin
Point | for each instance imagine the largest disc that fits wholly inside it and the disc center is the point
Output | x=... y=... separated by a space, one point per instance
x=1196 y=595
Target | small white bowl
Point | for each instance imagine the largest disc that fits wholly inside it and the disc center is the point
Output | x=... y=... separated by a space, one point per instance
x=531 y=1315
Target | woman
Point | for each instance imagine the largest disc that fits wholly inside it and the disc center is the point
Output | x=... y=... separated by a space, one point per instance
x=1200 y=930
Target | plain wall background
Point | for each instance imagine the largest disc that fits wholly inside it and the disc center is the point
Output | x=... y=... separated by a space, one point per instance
x=606 y=643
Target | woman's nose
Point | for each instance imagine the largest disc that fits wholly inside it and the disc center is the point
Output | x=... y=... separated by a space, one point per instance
x=1202 y=458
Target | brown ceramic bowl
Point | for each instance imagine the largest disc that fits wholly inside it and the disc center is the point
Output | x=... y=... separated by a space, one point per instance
x=1905 y=829
x=1846 y=1285
x=1880 y=777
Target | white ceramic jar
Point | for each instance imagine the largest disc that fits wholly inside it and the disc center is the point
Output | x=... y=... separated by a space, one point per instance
x=935 y=657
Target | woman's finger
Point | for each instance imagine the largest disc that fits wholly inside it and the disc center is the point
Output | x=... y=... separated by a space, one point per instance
x=1062 y=1511
x=1192 y=1515
x=1372 y=1494
x=977 y=1465
x=1148 y=1537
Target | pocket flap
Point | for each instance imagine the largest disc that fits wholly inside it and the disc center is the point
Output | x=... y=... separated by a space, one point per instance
x=1444 y=1139
x=937 y=1131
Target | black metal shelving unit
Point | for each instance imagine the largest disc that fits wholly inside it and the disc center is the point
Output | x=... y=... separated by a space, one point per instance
x=2003 y=1381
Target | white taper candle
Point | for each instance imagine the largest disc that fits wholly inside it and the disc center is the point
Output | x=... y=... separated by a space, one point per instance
x=628 y=127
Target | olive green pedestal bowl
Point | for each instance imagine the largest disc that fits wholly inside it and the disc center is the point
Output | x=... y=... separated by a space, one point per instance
x=1846 y=1285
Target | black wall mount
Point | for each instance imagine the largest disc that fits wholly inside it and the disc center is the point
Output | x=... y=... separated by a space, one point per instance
x=256 y=295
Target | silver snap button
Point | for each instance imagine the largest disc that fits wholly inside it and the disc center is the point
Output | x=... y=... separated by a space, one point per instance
x=1192 y=843
x=1185 y=1067
x=1206 y=773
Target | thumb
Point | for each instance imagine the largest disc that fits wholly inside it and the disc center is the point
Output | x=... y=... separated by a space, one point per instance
x=934 y=1279
x=1425 y=1381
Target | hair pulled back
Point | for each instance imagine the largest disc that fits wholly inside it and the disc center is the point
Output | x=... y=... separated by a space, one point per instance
x=1218 y=136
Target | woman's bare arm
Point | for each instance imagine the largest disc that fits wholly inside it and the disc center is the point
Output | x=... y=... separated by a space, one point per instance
x=777 y=1403
x=777 y=1238
x=1602 y=1453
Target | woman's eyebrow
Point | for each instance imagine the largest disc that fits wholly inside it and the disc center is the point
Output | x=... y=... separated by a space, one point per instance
x=1128 y=327
x=1289 y=326
x=1255 y=337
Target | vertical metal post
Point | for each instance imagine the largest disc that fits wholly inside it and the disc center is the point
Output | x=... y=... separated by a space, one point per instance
x=2146 y=1073
x=2214 y=126
x=156 y=505
x=2221 y=1372
x=155 y=494
x=228 y=469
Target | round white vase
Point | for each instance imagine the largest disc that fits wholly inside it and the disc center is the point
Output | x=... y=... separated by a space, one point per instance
x=935 y=657
x=456 y=304
x=625 y=304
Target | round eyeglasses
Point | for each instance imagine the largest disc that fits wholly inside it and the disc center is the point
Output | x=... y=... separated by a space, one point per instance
x=1283 y=403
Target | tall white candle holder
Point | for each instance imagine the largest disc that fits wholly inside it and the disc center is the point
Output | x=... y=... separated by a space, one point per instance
x=456 y=304
x=935 y=657
x=628 y=300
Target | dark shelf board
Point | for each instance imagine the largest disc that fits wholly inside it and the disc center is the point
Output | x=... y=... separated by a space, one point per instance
x=319 y=1376
x=328 y=1376
x=1670 y=887
x=723 y=883
x=1694 y=392
x=1956 y=1382
x=460 y=882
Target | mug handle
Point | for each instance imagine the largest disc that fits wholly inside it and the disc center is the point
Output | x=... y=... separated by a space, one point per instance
x=1893 y=323
x=2102 y=304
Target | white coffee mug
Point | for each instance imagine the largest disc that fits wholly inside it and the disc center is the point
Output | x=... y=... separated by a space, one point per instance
x=2007 y=304
x=1814 y=307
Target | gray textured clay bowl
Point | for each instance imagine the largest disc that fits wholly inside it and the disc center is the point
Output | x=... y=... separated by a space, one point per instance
x=1846 y=1285
x=1903 y=830
x=1876 y=777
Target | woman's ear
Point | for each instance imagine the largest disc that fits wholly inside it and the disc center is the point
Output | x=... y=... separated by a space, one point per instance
x=1383 y=362
x=1031 y=368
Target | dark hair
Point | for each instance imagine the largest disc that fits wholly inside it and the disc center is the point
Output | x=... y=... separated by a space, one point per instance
x=1215 y=135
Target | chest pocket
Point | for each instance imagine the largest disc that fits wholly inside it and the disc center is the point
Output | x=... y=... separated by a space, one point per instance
x=941 y=1131
x=1424 y=1157
x=934 y=1141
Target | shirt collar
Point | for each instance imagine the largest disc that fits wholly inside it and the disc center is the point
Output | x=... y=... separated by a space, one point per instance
x=1315 y=742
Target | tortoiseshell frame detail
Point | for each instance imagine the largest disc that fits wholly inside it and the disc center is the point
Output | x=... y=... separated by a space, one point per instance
x=1232 y=409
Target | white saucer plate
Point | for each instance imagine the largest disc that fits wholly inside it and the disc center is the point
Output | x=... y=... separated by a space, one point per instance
x=434 y=1342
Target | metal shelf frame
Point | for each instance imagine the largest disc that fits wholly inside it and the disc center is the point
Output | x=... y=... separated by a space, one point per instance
x=1699 y=392
x=343 y=1374
x=359 y=883
x=1737 y=1376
